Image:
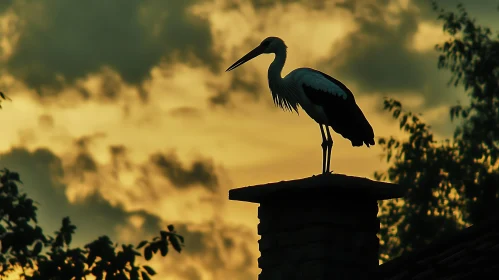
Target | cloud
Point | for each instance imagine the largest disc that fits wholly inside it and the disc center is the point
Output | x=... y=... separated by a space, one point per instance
x=212 y=248
x=189 y=273
x=46 y=121
x=266 y=4
x=221 y=251
x=200 y=172
x=42 y=173
x=245 y=81
x=60 y=42
x=484 y=11
x=110 y=86
x=186 y=112
x=119 y=159
x=206 y=254
x=85 y=163
x=252 y=21
x=81 y=166
x=4 y=5
x=222 y=98
x=379 y=58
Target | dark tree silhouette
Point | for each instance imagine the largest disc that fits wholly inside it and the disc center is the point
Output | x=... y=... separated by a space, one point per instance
x=23 y=245
x=451 y=183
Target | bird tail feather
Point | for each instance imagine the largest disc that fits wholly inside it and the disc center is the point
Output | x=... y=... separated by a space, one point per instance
x=366 y=132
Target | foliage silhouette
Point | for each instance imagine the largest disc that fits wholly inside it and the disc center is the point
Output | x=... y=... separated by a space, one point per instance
x=24 y=245
x=4 y=97
x=451 y=183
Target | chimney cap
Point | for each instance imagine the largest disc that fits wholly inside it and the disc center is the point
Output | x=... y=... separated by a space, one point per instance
x=335 y=184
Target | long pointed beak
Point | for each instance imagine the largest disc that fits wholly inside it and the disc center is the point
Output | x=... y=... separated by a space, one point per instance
x=249 y=56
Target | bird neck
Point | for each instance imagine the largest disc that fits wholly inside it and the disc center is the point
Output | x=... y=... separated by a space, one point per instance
x=276 y=66
x=282 y=91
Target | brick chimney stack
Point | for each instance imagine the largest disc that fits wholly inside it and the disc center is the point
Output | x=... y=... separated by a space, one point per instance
x=318 y=228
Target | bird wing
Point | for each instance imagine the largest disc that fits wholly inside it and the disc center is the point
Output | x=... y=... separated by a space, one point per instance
x=325 y=83
x=339 y=105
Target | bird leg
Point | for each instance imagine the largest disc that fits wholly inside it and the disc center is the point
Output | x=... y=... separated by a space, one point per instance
x=329 y=144
x=324 y=149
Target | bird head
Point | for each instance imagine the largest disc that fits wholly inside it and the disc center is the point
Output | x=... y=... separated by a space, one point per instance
x=268 y=45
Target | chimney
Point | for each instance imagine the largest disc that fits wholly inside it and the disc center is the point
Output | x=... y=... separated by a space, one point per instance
x=318 y=228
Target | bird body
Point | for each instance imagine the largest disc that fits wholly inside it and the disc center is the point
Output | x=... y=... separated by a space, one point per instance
x=326 y=100
x=336 y=102
x=310 y=79
x=303 y=76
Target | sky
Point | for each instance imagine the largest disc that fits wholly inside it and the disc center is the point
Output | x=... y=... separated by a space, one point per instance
x=123 y=118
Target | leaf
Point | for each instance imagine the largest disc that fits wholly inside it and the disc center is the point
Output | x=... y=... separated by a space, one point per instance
x=91 y=258
x=37 y=248
x=148 y=253
x=163 y=247
x=67 y=238
x=155 y=247
x=145 y=276
x=6 y=242
x=403 y=121
x=14 y=176
x=134 y=274
x=396 y=113
x=142 y=244
x=149 y=270
x=464 y=114
x=66 y=222
x=181 y=238
x=176 y=245
x=3 y=96
x=163 y=234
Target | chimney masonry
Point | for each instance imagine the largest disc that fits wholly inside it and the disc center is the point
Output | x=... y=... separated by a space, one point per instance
x=318 y=228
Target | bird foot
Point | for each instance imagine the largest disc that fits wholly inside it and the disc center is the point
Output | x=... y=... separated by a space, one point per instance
x=327 y=173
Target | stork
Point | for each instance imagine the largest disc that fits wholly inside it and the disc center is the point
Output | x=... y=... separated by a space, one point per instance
x=326 y=100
